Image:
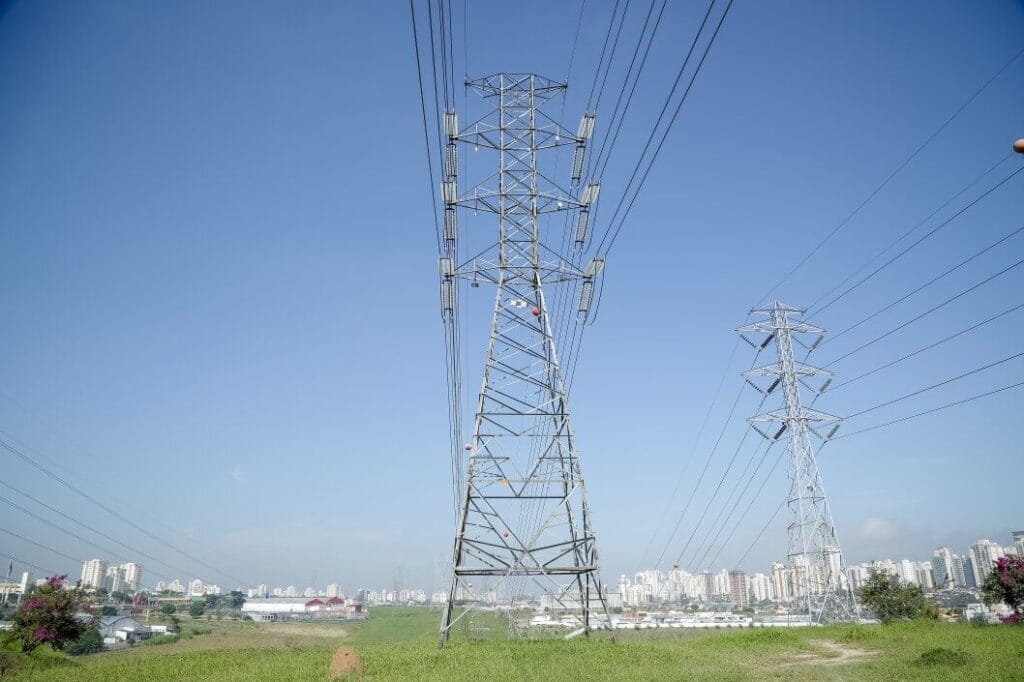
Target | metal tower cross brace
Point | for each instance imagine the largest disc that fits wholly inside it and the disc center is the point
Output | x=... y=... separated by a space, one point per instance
x=524 y=525
x=820 y=583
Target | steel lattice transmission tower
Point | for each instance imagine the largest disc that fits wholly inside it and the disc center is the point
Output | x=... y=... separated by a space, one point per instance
x=524 y=517
x=819 y=579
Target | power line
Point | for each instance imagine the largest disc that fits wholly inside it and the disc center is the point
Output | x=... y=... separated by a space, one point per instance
x=926 y=313
x=29 y=564
x=708 y=541
x=707 y=463
x=604 y=49
x=56 y=477
x=611 y=56
x=893 y=174
x=746 y=511
x=909 y=232
x=41 y=519
x=426 y=133
x=90 y=528
x=760 y=533
x=668 y=128
x=934 y=386
x=918 y=242
x=41 y=546
x=629 y=98
x=714 y=494
x=931 y=345
x=693 y=451
x=931 y=411
x=927 y=284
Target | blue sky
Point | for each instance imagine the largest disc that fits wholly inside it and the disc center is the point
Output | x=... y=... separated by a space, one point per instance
x=218 y=273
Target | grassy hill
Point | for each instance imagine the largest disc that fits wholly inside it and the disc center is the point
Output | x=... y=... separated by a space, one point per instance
x=401 y=644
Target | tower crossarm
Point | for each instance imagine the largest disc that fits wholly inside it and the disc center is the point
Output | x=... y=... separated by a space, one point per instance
x=776 y=370
x=806 y=415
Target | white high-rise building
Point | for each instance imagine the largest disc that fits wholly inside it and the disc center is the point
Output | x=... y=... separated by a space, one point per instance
x=760 y=587
x=94 y=573
x=959 y=571
x=780 y=581
x=907 y=572
x=333 y=590
x=195 y=588
x=132 y=575
x=858 y=575
x=115 y=579
x=942 y=568
x=1018 y=542
x=925 y=577
x=624 y=589
x=983 y=555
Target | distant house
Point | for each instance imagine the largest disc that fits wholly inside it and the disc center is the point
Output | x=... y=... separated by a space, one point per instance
x=285 y=608
x=116 y=629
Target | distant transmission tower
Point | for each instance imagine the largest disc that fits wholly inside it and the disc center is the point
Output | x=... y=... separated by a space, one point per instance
x=818 y=573
x=523 y=516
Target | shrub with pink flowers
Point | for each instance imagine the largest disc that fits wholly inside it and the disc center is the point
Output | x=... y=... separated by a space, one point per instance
x=52 y=614
x=1006 y=584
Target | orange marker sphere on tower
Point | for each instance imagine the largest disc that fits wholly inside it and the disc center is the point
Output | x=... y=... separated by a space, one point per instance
x=1018 y=146
x=536 y=312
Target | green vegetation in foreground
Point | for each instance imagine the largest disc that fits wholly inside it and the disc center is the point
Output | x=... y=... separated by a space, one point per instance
x=401 y=644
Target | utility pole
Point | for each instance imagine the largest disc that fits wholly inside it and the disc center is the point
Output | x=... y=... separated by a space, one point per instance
x=821 y=585
x=523 y=515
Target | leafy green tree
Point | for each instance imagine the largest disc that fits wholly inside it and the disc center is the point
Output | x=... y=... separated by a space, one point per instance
x=108 y=611
x=168 y=609
x=1006 y=584
x=196 y=609
x=237 y=599
x=890 y=600
x=89 y=642
x=49 y=615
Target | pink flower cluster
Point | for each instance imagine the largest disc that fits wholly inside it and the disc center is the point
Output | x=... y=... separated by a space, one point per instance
x=1012 y=619
x=44 y=635
x=33 y=603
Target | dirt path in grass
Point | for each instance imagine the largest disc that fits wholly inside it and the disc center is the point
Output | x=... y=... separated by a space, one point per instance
x=262 y=636
x=833 y=654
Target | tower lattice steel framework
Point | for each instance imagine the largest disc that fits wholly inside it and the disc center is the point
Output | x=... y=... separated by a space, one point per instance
x=817 y=569
x=523 y=524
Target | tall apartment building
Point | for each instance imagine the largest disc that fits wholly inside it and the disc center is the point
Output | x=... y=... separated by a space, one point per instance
x=761 y=587
x=115 y=579
x=132 y=575
x=942 y=568
x=780 y=581
x=857 y=576
x=983 y=556
x=94 y=573
x=907 y=572
x=925 y=577
x=1018 y=542
x=738 y=592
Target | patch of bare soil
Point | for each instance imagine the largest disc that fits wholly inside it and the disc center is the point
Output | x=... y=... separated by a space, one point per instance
x=831 y=653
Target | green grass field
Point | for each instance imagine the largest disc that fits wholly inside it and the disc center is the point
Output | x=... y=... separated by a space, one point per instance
x=400 y=644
